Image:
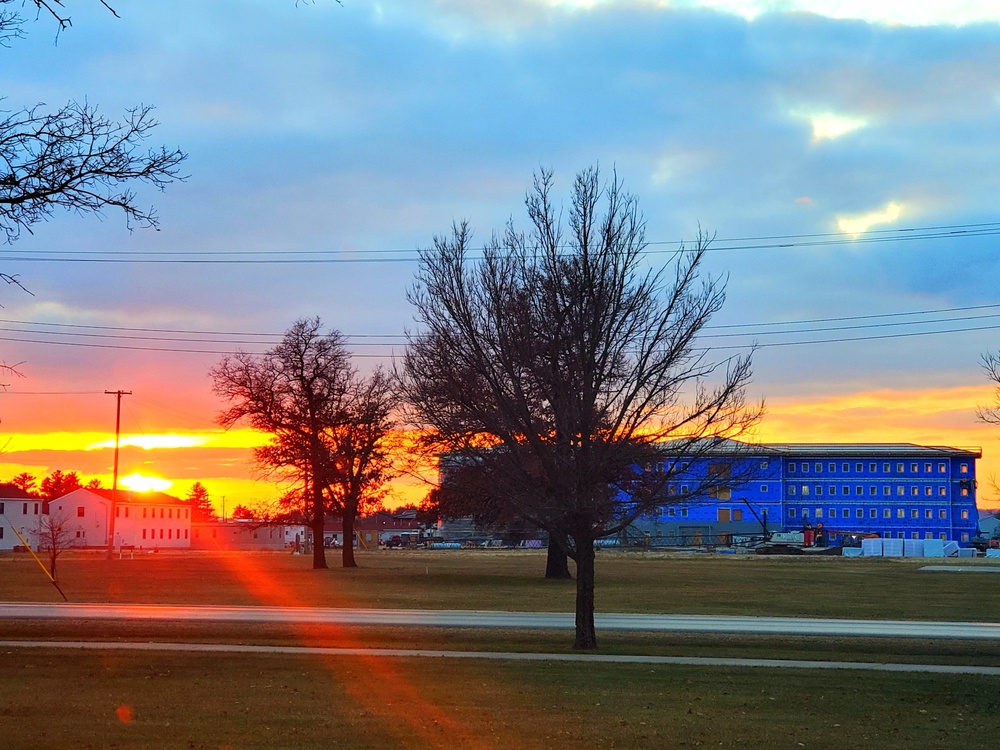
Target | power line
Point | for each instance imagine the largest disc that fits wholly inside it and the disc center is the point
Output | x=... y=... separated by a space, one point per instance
x=399 y=255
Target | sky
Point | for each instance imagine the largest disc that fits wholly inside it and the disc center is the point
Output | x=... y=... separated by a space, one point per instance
x=842 y=153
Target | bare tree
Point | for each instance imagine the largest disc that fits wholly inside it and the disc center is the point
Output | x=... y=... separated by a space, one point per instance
x=294 y=392
x=360 y=453
x=74 y=158
x=562 y=363
x=55 y=535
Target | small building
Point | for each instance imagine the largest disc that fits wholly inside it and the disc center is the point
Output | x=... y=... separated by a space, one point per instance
x=378 y=528
x=21 y=512
x=243 y=534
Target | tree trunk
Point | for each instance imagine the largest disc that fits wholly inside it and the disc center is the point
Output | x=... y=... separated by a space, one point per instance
x=557 y=561
x=348 y=519
x=586 y=635
x=319 y=528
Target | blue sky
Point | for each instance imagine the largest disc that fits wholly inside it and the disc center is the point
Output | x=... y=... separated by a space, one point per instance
x=346 y=131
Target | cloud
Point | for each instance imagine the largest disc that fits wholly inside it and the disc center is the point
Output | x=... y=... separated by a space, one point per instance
x=861 y=223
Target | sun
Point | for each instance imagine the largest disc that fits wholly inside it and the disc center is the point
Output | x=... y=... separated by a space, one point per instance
x=142 y=483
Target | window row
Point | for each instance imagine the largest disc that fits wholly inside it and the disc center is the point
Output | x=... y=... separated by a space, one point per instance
x=913 y=513
x=887 y=467
x=170 y=534
x=152 y=512
x=873 y=490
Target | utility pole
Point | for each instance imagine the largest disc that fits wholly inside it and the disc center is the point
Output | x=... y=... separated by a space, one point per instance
x=114 y=481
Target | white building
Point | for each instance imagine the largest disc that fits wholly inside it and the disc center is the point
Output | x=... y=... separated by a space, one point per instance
x=147 y=520
x=20 y=511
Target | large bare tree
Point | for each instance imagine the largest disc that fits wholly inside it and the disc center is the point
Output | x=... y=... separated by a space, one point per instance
x=560 y=361
x=328 y=424
x=294 y=392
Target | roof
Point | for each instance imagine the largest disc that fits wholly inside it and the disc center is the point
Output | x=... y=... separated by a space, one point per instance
x=129 y=496
x=9 y=492
x=860 y=450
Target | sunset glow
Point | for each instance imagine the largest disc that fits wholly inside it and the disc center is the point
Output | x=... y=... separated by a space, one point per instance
x=141 y=483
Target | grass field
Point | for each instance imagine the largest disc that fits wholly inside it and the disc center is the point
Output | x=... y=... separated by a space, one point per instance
x=128 y=699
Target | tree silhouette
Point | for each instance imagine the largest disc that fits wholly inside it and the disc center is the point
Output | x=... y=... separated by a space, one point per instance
x=560 y=365
x=57 y=484
x=201 y=504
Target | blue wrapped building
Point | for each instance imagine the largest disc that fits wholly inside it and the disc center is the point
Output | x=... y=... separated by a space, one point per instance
x=893 y=490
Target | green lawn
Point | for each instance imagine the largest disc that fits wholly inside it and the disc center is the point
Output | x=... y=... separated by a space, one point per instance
x=129 y=699
x=688 y=584
x=138 y=700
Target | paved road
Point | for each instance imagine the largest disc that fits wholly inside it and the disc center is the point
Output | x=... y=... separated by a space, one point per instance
x=699 y=661
x=531 y=620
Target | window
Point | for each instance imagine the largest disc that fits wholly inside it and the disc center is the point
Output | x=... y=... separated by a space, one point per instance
x=763 y=464
x=1 y=507
x=900 y=513
x=942 y=514
x=684 y=489
x=845 y=490
x=964 y=468
x=80 y=510
x=161 y=530
x=791 y=512
x=819 y=467
x=671 y=512
x=886 y=468
x=872 y=513
x=832 y=513
x=900 y=534
x=161 y=516
x=805 y=489
x=143 y=533
x=792 y=490
x=737 y=514
x=819 y=513
x=913 y=468
x=914 y=513
x=886 y=513
x=170 y=533
x=887 y=490
x=942 y=468
x=186 y=512
x=965 y=536
x=35 y=511
x=899 y=468
x=965 y=492
x=684 y=512
x=928 y=490
x=942 y=491
x=965 y=515
x=819 y=489
x=927 y=468
x=1 y=532
x=872 y=468
x=914 y=491
x=929 y=514
x=845 y=513
x=170 y=512
x=832 y=467
x=873 y=490
x=859 y=513
x=791 y=468
x=186 y=533
x=805 y=513
x=914 y=535
x=928 y=535
x=805 y=468
x=900 y=490
x=845 y=468
x=942 y=536
x=763 y=488
x=832 y=489
x=859 y=468
x=859 y=490
x=24 y=509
